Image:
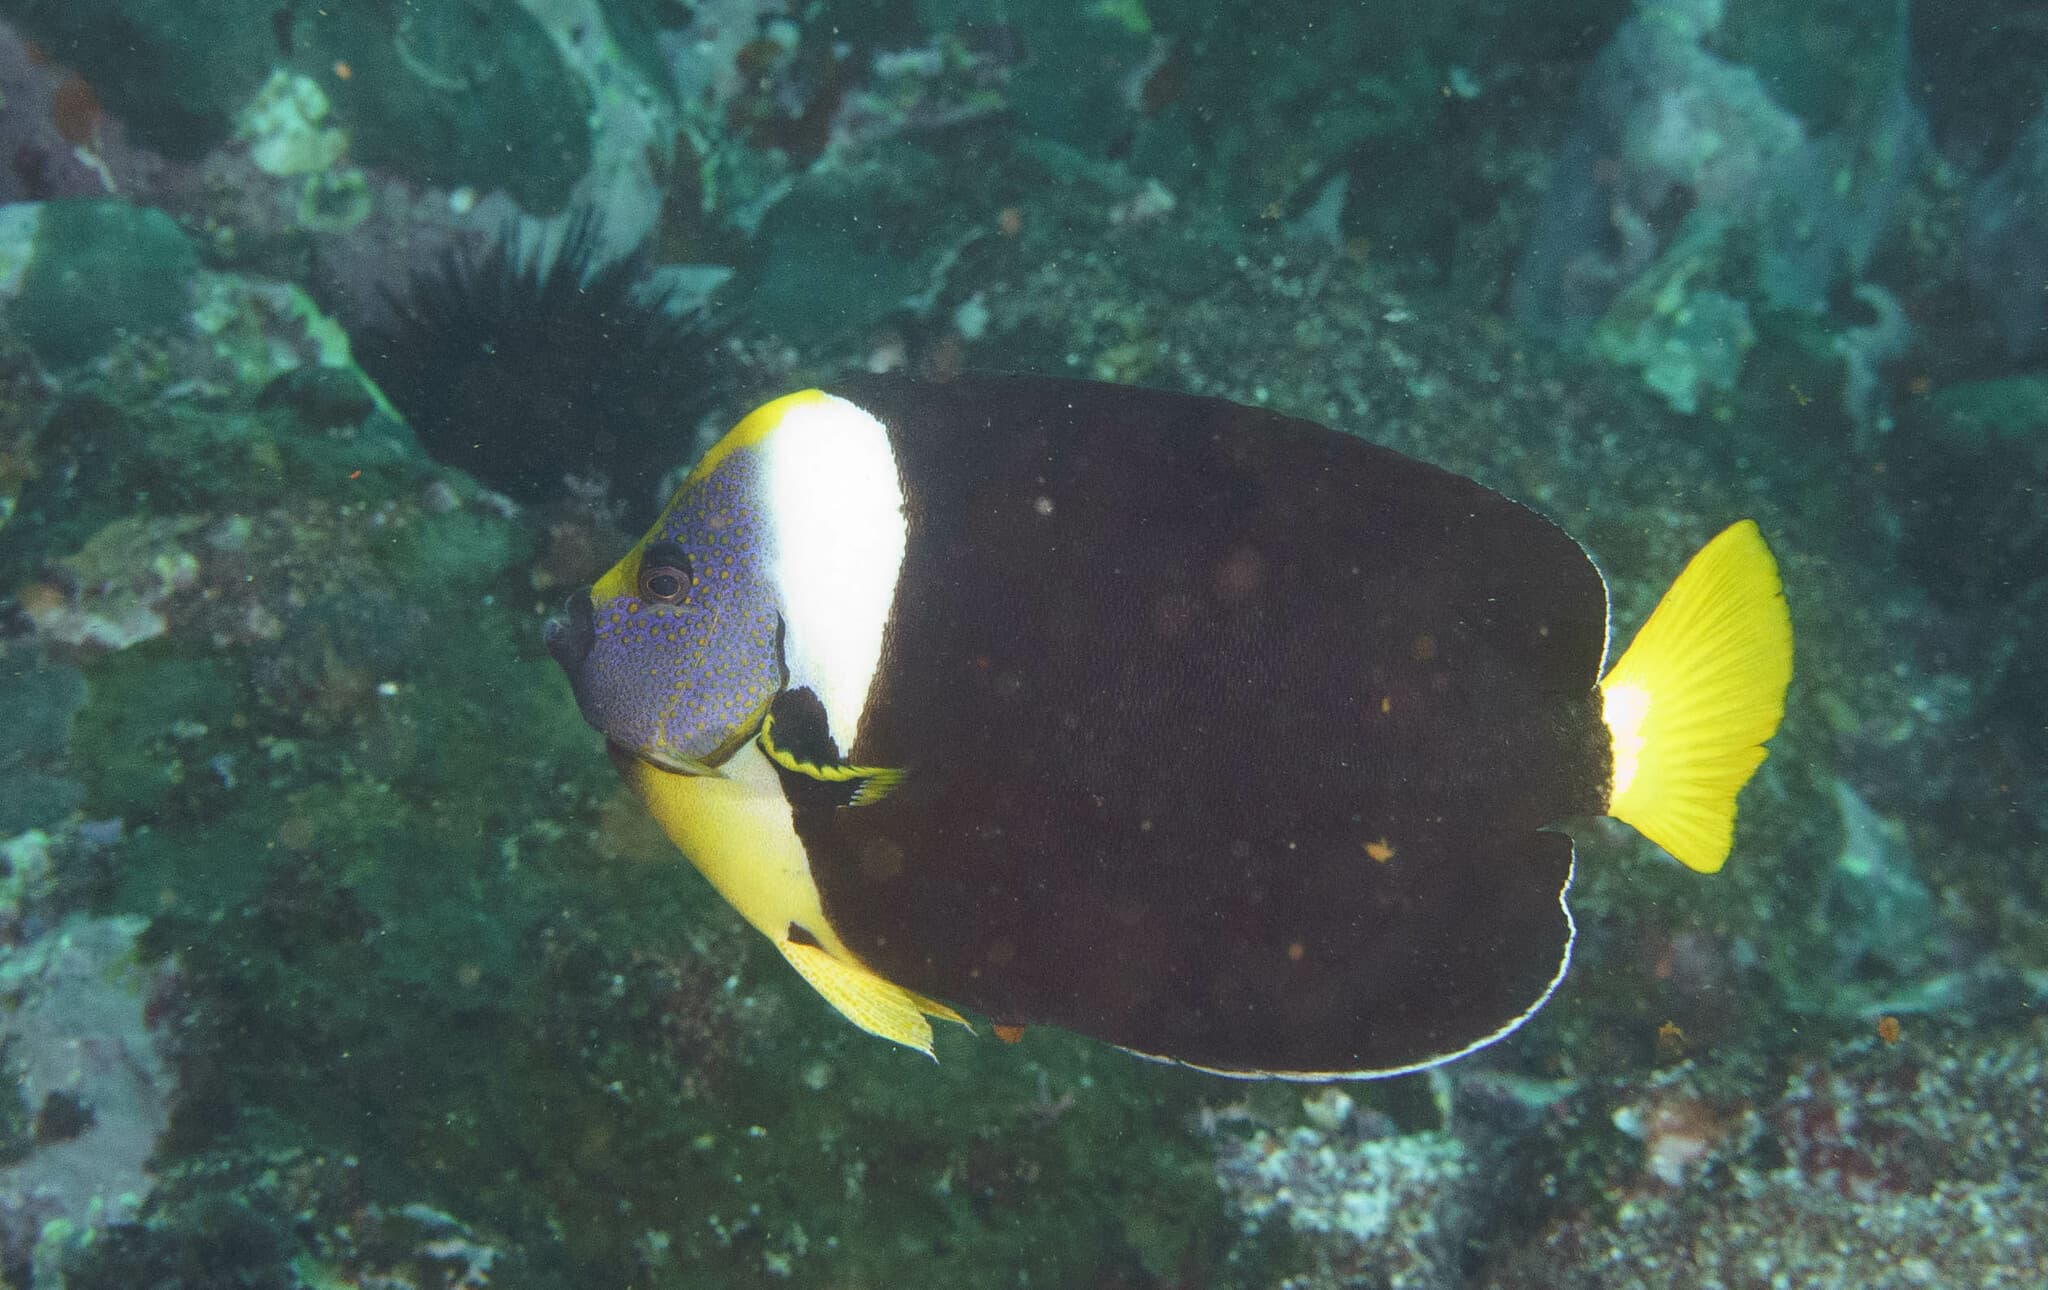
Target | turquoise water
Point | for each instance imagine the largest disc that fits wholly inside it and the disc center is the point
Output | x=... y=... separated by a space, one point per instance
x=339 y=343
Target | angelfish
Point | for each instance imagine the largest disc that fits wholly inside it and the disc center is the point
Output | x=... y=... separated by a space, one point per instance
x=1206 y=731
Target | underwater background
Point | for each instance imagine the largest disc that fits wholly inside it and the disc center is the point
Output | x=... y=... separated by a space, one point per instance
x=340 y=338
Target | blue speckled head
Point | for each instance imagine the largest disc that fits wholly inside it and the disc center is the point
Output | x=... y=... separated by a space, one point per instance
x=675 y=653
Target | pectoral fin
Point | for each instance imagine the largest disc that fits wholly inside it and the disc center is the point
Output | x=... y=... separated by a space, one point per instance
x=877 y=1006
x=794 y=737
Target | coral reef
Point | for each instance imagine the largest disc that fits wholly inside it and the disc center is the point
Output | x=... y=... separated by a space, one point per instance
x=1697 y=189
x=414 y=87
x=2007 y=228
x=297 y=823
x=289 y=1219
x=83 y=1039
x=1888 y=1164
x=1983 y=86
x=40 y=698
x=1369 y=1204
x=58 y=137
x=111 y=594
x=94 y=271
x=94 y=1082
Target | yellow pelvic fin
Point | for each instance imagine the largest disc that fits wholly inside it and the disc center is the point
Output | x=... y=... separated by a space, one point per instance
x=877 y=1006
x=1693 y=699
x=874 y=782
x=735 y=828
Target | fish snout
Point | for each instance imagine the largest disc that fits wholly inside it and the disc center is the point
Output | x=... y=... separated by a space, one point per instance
x=572 y=636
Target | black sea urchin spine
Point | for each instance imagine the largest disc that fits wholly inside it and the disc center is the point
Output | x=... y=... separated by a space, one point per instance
x=533 y=372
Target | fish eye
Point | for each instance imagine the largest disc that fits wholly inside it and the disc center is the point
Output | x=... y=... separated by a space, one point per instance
x=665 y=573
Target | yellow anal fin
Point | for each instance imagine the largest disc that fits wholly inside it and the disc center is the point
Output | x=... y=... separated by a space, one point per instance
x=877 y=1006
x=933 y=1008
x=1692 y=701
x=870 y=783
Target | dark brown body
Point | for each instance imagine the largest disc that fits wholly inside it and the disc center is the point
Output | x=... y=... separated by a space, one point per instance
x=1228 y=738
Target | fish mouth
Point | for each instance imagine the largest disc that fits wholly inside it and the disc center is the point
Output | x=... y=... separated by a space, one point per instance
x=570 y=638
x=572 y=635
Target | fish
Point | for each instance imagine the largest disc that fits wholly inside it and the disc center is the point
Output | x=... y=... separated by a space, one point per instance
x=1209 y=732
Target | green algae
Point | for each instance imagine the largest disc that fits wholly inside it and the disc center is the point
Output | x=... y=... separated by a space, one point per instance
x=118 y=459
x=453 y=92
x=174 y=70
x=40 y=700
x=447 y=92
x=1261 y=106
x=101 y=270
x=2003 y=415
x=459 y=551
x=635 y=27
x=1070 y=89
x=846 y=248
x=1829 y=61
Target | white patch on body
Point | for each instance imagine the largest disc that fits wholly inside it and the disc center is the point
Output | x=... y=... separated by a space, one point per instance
x=835 y=504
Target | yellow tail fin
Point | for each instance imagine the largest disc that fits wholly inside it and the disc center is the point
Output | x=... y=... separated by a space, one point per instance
x=1691 y=702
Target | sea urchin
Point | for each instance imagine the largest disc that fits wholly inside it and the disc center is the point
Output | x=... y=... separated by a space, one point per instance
x=529 y=370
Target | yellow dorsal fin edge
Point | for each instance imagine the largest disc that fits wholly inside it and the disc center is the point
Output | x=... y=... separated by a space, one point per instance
x=1695 y=696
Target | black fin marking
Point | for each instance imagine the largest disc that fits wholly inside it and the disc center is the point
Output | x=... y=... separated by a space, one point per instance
x=796 y=738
